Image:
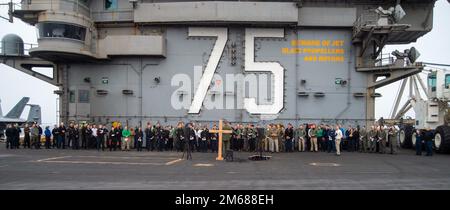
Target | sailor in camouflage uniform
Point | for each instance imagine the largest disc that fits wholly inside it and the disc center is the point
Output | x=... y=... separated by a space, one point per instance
x=392 y=135
x=281 y=140
x=382 y=139
x=300 y=135
x=251 y=136
x=226 y=137
x=373 y=138
x=363 y=139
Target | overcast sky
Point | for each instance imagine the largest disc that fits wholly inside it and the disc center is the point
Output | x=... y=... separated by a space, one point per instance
x=14 y=85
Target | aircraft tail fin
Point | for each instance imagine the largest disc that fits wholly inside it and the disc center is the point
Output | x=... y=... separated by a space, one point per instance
x=17 y=110
x=35 y=113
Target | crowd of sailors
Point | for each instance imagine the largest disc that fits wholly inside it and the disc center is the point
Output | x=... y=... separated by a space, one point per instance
x=275 y=137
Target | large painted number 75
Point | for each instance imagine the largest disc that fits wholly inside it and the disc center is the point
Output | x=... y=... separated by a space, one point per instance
x=274 y=68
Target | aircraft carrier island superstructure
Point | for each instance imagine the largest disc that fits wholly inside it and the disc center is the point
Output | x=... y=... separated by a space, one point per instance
x=299 y=61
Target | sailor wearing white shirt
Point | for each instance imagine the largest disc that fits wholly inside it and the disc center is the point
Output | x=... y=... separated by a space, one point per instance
x=94 y=131
x=198 y=133
x=94 y=135
x=339 y=136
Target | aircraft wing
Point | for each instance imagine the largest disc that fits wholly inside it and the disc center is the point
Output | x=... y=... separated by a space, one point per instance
x=5 y=120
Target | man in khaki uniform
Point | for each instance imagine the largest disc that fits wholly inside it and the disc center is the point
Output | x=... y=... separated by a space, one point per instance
x=300 y=135
x=273 y=138
x=35 y=141
x=312 y=133
x=339 y=137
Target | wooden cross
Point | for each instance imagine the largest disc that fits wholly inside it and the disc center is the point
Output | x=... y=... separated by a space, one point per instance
x=220 y=132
